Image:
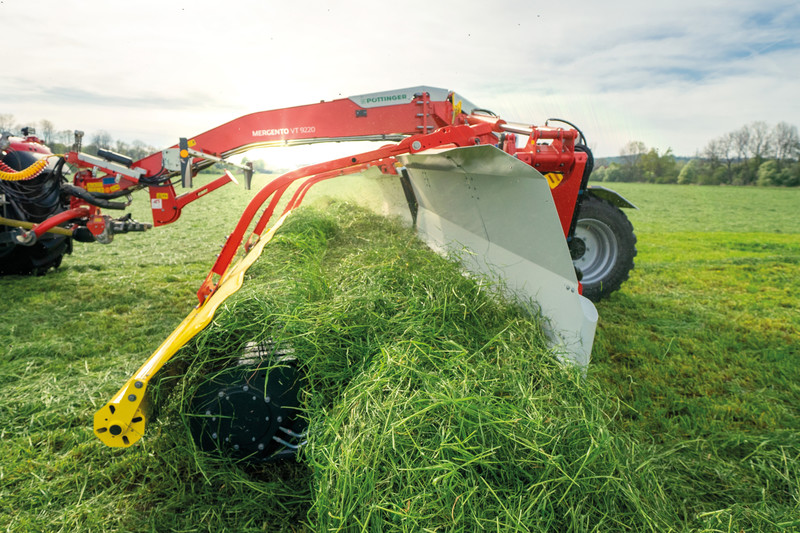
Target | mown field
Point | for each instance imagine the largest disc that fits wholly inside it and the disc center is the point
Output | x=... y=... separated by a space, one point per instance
x=433 y=405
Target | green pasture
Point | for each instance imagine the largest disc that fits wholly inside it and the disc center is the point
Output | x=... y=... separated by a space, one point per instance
x=435 y=406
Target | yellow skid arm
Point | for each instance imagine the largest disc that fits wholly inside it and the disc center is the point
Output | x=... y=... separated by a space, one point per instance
x=121 y=421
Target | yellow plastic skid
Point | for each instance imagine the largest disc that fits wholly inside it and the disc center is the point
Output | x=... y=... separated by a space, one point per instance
x=121 y=421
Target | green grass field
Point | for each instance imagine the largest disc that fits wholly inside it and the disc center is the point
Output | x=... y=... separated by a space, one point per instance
x=434 y=406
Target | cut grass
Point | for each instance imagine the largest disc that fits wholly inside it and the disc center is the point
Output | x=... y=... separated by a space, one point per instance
x=677 y=208
x=715 y=333
x=701 y=347
x=433 y=405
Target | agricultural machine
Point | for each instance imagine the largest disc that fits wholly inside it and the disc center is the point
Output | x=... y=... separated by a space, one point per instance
x=515 y=197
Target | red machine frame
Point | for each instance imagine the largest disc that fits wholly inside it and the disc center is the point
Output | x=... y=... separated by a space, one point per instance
x=413 y=120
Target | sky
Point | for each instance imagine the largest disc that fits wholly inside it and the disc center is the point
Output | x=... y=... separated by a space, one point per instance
x=671 y=74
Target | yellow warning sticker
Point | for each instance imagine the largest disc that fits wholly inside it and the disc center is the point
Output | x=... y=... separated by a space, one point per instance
x=191 y=143
x=94 y=187
x=162 y=196
x=554 y=179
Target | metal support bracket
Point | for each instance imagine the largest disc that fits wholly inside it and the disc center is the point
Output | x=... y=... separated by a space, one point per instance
x=182 y=159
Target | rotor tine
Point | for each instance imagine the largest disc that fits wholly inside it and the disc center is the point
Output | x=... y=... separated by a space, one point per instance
x=288 y=445
x=293 y=434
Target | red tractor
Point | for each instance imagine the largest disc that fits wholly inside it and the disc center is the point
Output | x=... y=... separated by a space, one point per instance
x=516 y=195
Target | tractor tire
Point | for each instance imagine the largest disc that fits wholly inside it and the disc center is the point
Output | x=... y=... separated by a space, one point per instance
x=34 y=260
x=602 y=248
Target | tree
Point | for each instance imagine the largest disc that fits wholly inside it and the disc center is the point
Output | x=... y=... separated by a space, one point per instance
x=712 y=154
x=46 y=131
x=772 y=173
x=741 y=143
x=614 y=172
x=785 y=143
x=65 y=137
x=121 y=147
x=768 y=173
x=260 y=166
x=655 y=168
x=690 y=172
x=102 y=139
x=599 y=174
x=760 y=137
x=758 y=147
x=633 y=150
x=631 y=154
x=715 y=177
x=792 y=175
x=140 y=150
x=6 y=122
x=728 y=155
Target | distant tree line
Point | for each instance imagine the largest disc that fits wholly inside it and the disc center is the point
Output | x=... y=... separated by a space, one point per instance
x=637 y=163
x=60 y=141
x=755 y=154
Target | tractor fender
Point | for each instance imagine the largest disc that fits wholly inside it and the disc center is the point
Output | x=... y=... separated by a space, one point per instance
x=610 y=196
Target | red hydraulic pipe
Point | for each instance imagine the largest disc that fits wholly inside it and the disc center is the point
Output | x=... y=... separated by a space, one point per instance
x=301 y=191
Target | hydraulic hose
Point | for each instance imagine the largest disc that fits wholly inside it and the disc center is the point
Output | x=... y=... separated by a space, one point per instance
x=587 y=172
x=570 y=124
x=9 y=174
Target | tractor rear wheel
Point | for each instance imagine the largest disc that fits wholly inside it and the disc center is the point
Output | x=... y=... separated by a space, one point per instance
x=37 y=259
x=602 y=248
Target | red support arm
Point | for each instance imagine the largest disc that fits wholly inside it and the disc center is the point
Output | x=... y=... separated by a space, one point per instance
x=449 y=136
x=337 y=120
